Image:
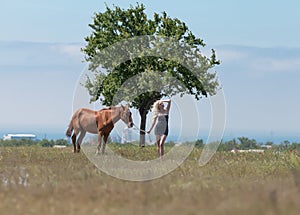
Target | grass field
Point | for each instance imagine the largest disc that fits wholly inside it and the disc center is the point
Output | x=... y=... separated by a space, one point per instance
x=37 y=180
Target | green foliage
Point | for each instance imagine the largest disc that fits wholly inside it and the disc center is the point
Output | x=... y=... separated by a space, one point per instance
x=243 y=143
x=61 y=142
x=26 y=142
x=163 y=74
x=228 y=146
x=115 y=25
x=199 y=143
x=246 y=143
x=22 y=142
x=46 y=143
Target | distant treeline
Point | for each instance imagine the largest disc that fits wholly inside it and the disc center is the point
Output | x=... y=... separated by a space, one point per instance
x=240 y=143
x=28 y=142
x=244 y=143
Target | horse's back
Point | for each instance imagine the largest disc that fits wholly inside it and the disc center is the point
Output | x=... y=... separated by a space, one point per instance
x=86 y=120
x=92 y=121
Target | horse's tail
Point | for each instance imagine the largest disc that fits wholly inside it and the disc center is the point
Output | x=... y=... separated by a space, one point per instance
x=70 y=129
x=73 y=123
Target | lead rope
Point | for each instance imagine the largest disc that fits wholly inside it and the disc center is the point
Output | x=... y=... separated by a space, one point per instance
x=145 y=132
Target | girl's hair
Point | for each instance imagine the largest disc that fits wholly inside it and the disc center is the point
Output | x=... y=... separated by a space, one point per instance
x=155 y=110
x=155 y=107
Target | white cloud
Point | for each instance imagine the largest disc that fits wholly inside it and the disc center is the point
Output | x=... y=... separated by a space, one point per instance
x=254 y=60
x=72 y=50
x=276 y=65
x=230 y=55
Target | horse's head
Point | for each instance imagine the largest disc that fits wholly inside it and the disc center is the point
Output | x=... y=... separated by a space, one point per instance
x=126 y=116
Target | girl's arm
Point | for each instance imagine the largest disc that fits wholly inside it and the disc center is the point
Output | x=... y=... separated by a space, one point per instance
x=169 y=104
x=153 y=123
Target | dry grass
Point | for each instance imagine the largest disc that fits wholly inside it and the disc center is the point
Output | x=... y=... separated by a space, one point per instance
x=37 y=180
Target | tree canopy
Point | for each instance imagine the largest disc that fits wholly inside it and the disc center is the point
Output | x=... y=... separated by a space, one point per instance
x=173 y=58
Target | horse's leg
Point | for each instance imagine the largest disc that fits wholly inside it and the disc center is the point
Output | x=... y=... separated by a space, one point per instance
x=74 y=141
x=75 y=134
x=80 y=138
x=99 y=143
x=104 y=143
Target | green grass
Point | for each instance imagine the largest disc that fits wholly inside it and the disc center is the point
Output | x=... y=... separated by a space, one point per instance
x=37 y=180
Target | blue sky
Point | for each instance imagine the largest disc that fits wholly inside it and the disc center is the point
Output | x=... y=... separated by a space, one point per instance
x=257 y=42
x=255 y=23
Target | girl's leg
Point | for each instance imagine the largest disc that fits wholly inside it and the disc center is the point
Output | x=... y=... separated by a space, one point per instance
x=158 y=143
x=161 y=144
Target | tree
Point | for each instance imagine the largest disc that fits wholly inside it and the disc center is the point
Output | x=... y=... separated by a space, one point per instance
x=61 y=142
x=246 y=143
x=46 y=143
x=286 y=143
x=228 y=145
x=269 y=143
x=199 y=143
x=115 y=25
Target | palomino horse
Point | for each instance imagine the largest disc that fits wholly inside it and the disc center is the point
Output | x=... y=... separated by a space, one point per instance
x=97 y=122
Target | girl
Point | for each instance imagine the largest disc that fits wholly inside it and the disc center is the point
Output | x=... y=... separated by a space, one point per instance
x=161 y=116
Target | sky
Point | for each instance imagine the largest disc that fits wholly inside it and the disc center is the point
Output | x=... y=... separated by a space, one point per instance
x=256 y=41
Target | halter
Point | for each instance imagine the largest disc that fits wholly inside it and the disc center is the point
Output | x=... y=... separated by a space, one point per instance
x=122 y=112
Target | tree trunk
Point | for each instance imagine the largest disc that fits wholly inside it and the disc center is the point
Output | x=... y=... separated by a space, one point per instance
x=143 y=114
x=144 y=108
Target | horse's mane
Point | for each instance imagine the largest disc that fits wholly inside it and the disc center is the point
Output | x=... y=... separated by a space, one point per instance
x=109 y=108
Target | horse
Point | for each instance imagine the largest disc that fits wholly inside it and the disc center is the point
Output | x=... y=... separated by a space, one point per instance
x=99 y=122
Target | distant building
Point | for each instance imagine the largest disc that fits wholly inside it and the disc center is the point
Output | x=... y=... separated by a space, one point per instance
x=260 y=151
x=267 y=146
x=126 y=135
x=115 y=138
x=19 y=136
